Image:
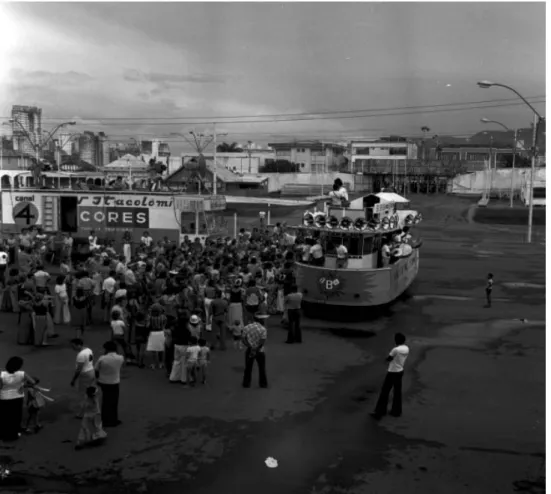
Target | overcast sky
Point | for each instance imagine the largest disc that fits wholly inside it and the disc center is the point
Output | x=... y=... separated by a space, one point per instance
x=150 y=60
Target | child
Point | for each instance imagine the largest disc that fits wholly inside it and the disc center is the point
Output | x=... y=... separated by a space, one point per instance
x=489 y=287
x=237 y=331
x=91 y=429
x=35 y=401
x=118 y=328
x=203 y=360
x=192 y=358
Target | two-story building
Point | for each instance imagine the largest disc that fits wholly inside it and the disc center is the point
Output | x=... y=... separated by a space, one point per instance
x=366 y=153
x=310 y=156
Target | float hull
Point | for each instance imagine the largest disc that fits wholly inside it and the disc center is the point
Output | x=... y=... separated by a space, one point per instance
x=356 y=288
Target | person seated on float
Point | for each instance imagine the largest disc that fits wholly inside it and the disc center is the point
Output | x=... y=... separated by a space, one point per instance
x=385 y=252
x=406 y=236
x=342 y=256
x=342 y=192
x=335 y=197
x=316 y=253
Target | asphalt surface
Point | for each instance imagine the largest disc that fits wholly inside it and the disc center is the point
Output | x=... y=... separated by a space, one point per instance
x=474 y=391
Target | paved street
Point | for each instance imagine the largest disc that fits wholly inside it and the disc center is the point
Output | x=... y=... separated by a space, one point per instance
x=474 y=395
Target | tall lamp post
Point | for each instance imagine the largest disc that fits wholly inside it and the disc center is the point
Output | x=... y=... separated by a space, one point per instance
x=537 y=119
x=515 y=134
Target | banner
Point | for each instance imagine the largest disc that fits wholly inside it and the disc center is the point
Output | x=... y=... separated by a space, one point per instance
x=122 y=218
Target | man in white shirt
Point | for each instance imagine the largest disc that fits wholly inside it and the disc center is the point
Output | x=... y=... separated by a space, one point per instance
x=393 y=380
x=316 y=253
x=342 y=256
x=108 y=370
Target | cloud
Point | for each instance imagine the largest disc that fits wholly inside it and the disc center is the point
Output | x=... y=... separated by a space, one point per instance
x=134 y=75
x=37 y=78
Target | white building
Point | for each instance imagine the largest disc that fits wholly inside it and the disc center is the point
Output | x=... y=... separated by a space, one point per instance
x=364 y=151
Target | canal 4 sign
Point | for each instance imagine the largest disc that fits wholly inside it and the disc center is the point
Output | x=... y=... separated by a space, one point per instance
x=330 y=284
x=25 y=213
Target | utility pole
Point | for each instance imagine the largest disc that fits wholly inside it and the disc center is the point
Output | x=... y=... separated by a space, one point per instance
x=214 y=175
x=537 y=120
x=515 y=137
x=249 y=151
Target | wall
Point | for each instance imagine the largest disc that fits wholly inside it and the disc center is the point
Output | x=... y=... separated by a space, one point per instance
x=276 y=181
x=239 y=160
x=477 y=183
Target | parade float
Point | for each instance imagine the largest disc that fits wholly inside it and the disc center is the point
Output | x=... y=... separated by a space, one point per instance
x=77 y=203
x=366 y=280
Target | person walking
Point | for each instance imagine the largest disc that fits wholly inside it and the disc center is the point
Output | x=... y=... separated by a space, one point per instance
x=108 y=375
x=254 y=339
x=84 y=375
x=489 y=288
x=393 y=380
x=293 y=304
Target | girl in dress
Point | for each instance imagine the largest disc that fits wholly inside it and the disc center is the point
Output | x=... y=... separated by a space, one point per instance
x=91 y=430
x=62 y=312
x=127 y=246
x=36 y=400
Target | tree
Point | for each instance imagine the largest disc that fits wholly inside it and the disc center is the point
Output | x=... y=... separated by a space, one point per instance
x=229 y=148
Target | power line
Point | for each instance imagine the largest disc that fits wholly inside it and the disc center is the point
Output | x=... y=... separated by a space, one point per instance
x=211 y=119
x=401 y=114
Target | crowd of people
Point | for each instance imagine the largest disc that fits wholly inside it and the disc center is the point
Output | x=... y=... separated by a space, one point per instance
x=168 y=307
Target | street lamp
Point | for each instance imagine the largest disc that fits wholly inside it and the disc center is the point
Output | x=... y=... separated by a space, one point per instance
x=537 y=119
x=487 y=120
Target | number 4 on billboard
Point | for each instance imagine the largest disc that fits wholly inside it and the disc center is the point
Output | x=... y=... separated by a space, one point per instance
x=26 y=214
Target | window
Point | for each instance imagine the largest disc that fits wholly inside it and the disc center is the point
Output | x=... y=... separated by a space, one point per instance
x=399 y=151
x=367 y=246
x=539 y=192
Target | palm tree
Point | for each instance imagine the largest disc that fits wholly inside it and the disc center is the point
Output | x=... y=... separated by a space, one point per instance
x=229 y=148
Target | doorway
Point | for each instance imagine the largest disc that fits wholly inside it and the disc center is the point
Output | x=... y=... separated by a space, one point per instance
x=68 y=214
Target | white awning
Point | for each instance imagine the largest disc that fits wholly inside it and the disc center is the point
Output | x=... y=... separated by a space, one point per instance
x=391 y=197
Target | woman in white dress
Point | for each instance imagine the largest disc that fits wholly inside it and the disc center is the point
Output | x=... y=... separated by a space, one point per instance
x=62 y=311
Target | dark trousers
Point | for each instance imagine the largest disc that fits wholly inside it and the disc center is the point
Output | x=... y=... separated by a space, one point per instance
x=488 y=297
x=219 y=331
x=123 y=344
x=109 y=404
x=294 y=333
x=250 y=358
x=393 y=381
x=169 y=358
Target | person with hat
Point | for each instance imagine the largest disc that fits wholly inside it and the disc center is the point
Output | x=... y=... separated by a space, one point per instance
x=195 y=326
x=254 y=339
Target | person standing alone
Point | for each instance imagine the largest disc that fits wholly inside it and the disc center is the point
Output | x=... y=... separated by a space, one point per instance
x=254 y=339
x=108 y=374
x=489 y=287
x=393 y=380
x=293 y=304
